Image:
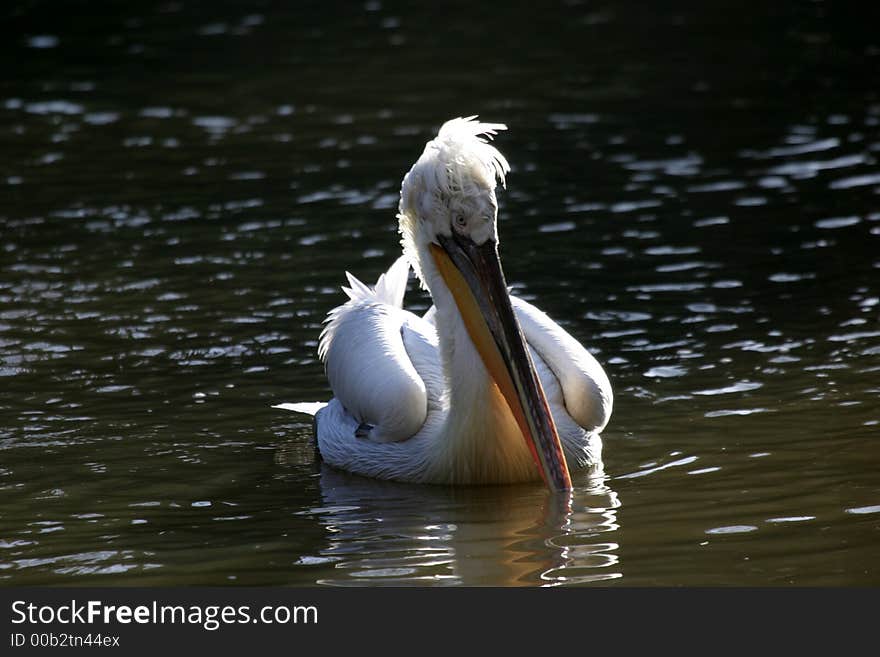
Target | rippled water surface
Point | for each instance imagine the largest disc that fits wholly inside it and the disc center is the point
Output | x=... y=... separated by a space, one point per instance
x=695 y=195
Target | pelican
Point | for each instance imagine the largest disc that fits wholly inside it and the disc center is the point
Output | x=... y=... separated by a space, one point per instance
x=482 y=389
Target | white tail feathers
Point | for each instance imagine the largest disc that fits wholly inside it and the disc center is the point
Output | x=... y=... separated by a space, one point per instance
x=389 y=289
x=307 y=408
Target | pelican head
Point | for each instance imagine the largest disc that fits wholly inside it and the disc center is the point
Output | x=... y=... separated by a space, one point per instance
x=448 y=223
x=451 y=188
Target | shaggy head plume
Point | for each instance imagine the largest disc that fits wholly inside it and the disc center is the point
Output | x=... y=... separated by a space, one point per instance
x=459 y=163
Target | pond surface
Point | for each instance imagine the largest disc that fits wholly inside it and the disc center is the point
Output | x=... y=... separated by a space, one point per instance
x=695 y=195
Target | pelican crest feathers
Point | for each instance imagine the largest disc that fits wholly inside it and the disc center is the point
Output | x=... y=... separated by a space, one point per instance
x=458 y=162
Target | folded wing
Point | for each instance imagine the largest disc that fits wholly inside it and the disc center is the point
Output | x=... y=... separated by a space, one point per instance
x=585 y=388
x=373 y=351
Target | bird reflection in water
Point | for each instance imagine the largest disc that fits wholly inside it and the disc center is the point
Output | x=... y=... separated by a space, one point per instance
x=387 y=533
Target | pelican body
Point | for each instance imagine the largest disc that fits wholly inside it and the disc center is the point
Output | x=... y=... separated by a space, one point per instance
x=482 y=389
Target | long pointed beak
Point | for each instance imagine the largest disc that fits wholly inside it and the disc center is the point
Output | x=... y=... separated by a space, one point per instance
x=474 y=276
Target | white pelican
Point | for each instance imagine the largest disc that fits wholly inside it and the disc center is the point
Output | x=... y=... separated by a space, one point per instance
x=484 y=387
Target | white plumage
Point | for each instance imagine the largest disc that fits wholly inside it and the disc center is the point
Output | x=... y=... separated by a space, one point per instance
x=413 y=397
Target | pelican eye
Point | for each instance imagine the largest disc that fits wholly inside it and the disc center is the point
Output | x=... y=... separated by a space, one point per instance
x=460 y=221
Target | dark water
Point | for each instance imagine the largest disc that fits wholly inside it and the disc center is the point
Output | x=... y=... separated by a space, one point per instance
x=695 y=195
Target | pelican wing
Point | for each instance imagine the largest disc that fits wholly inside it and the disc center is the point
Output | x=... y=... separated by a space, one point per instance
x=570 y=375
x=378 y=357
x=584 y=385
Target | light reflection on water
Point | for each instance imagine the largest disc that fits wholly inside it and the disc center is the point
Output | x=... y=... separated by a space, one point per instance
x=169 y=245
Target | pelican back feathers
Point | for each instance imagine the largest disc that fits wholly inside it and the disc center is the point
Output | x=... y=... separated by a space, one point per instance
x=366 y=360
